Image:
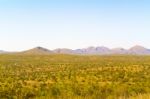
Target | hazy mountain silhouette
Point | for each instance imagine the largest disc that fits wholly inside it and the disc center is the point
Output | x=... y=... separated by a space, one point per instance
x=37 y=50
x=93 y=50
x=63 y=51
x=139 y=50
x=1 y=51
x=135 y=50
x=119 y=51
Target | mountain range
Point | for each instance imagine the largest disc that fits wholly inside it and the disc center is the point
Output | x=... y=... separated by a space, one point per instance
x=1 y=51
x=135 y=50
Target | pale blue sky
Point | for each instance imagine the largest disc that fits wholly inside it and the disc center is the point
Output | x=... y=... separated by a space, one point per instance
x=73 y=23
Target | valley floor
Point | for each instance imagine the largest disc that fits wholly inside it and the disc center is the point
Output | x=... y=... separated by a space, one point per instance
x=74 y=77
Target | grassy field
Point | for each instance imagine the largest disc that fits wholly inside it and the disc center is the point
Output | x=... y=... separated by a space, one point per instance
x=74 y=77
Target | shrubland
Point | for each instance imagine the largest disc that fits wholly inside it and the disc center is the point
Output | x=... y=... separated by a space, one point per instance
x=74 y=77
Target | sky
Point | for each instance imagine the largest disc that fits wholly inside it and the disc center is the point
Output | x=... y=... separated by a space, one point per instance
x=25 y=24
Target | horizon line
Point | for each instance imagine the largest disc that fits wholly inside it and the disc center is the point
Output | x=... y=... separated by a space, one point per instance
x=73 y=48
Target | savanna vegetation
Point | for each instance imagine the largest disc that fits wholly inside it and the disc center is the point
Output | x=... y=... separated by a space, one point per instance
x=74 y=77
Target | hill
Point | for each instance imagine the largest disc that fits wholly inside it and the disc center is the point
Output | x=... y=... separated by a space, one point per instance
x=37 y=50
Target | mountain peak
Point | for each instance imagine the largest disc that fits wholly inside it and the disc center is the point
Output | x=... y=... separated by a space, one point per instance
x=38 y=47
x=139 y=50
x=38 y=50
x=137 y=47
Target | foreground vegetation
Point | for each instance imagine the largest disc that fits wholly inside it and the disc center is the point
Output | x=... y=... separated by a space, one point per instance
x=74 y=77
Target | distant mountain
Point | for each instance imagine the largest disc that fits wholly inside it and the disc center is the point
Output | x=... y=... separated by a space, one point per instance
x=135 y=50
x=119 y=51
x=139 y=50
x=1 y=51
x=4 y=52
x=37 y=50
x=63 y=51
x=93 y=50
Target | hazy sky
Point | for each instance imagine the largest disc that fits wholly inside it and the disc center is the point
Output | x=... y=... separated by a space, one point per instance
x=73 y=23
